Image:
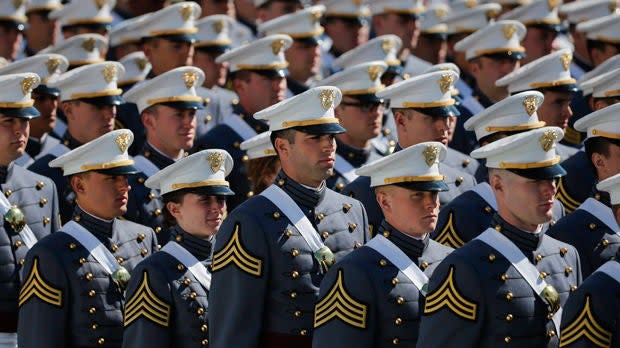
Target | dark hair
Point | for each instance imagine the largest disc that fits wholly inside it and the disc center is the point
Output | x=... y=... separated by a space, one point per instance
x=257 y=169
x=288 y=134
x=598 y=45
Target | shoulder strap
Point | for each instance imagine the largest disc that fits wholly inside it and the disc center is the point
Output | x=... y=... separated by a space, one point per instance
x=145 y=165
x=484 y=190
x=197 y=269
x=344 y=168
x=239 y=126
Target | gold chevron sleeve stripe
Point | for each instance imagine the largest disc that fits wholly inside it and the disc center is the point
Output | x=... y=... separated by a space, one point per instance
x=144 y=303
x=36 y=286
x=586 y=326
x=235 y=252
x=338 y=304
x=448 y=235
x=570 y=204
x=447 y=295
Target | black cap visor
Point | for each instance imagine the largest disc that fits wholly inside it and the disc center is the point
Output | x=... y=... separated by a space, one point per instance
x=545 y=173
x=43 y=89
x=432 y=186
x=105 y=100
x=25 y=113
x=185 y=105
x=445 y=111
x=326 y=128
x=121 y=170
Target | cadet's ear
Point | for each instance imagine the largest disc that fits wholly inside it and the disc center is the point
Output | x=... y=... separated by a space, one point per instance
x=174 y=209
x=281 y=146
x=496 y=181
x=616 y=211
x=384 y=201
x=77 y=184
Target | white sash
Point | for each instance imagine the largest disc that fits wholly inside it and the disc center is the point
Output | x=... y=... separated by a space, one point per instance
x=198 y=269
x=612 y=269
x=239 y=126
x=601 y=212
x=396 y=256
x=8 y=340
x=345 y=168
x=26 y=233
x=93 y=245
x=292 y=211
x=59 y=150
x=145 y=165
x=484 y=190
x=514 y=255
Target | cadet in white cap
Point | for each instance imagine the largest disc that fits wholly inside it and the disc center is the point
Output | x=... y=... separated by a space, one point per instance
x=88 y=98
x=398 y=17
x=194 y=191
x=77 y=277
x=167 y=105
x=304 y=27
x=85 y=16
x=492 y=52
x=41 y=31
x=297 y=226
x=263 y=163
x=422 y=107
x=376 y=314
x=589 y=316
x=602 y=35
x=346 y=27
x=46 y=100
x=257 y=72
x=267 y=10
x=125 y=38
x=80 y=49
x=218 y=7
x=590 y=228
x=361 y=113
x=28 y=203
x=137 y=68
x=604 y=89
x=469 y=214
x=432 y=44
x=12 y=25
x=528 y=273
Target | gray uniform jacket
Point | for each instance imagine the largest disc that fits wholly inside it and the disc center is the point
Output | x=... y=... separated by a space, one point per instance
x=461 y=162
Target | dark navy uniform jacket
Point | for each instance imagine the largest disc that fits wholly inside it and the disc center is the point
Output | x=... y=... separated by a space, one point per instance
x=577 y=185
x=355 y=157
x=175 y=304
x=67 y=298
x=265 y=279
x=36 y=197
x=366 y=280
x=477 y=298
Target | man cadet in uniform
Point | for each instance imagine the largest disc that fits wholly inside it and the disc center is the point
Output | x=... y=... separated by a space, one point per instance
x=432 y=45
x=167 y=106
x=12 y=25
x=74 y=282
x=590 y=316
x=361 y=113
x=88 y=97
x=137 y=68
x=422 y=107
x=374 y=296
x=28 y=202
x=591 y=228
x=267 y=10
x=85 y=17
x=551 y=76
x=257 y=71
x=507 y=285
x=469 y=214
x=41 y=31
x=305 y=29
x=47 y=66
x=167 y=297
x=278 y=245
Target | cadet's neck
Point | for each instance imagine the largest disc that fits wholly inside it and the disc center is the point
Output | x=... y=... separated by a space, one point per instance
x=172 y=153
x=199 y=247
x=4 y=172
x=347 y=139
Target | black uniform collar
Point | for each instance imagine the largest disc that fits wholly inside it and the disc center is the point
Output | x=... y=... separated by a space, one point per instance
x=155 y=156
x=482 y=98
x=412 y=247
x=70 y=142
x=306 y=198
x=526 y=241
x=601 y=196
x=99 y=228
x=4 y=173
x=34 y=146
x=581 y=63
x=252 y=26
x=295 y=86
x=200 y=248
x=257 y=125
x=357 y=157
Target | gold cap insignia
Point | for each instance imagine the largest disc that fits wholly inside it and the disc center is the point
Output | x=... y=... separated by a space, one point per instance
x=215 y=159
x=89 y=44
x=509 y=31
x=531 y=104
x=430 y=153
x=445 y=82
x=218 y=26
x=440 y=13
x=276 y=46
x=357 y=2
x=315 y=17
x=548 y=139
x=109 y=73
x=374 y=71
x=387 y=45
x=566 y=59
x=18 y=3
x=190 y=78
x=28 y=84
x=100 y=3
x=52 y=65
x=141 y=63
x=327 y=98
x=492 y=13
x=186 y=12
x=471 y=3
x=122 y=141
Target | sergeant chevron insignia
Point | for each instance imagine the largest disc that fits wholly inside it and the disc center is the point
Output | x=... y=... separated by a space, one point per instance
x=235 y=252
x=585 y=326
x=144 y=303
x=447 y=295
x=338 y=304
x=570 y=204
x=36 y=286
x=448 y=235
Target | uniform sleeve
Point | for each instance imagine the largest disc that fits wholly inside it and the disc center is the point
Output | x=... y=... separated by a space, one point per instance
x=147 y=310
x=453 y=314
x=55 y=209
x=43 y=301
x=240 y=273
x=367 y=232
x=345 y=315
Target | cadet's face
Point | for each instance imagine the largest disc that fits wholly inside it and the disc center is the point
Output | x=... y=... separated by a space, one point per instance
x=88 y=121
x=41 y=30
x=419 y=128
x=215 y=74
x=404 y=26
x=361 y=120
x=346 y=35
x=170 y=129
x=13 y=138
x=489 y=70
x=537 y=42
x=212 y=7
x=261 y=91
x=431 y=49
x=278 y=8
x=556 y=110
x=199 y=215
x=47 y=105
x=411 y=212
x=104 y=196
x=166 y=55
x=10 y=42
x=306 y=58
x=309 y=160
